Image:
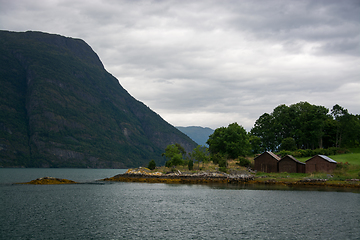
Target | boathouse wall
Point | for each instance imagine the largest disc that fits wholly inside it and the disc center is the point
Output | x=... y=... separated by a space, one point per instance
x=266 y=162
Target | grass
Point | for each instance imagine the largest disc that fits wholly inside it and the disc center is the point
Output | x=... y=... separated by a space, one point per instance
x=209 y=167
x=348 y=168
x=352 y=158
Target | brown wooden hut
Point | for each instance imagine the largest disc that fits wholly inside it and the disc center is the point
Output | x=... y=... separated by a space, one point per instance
x=291 y=165
x=266 y=162
x=320 y=163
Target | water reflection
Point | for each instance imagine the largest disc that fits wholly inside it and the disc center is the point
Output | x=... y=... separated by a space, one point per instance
x=264 y=187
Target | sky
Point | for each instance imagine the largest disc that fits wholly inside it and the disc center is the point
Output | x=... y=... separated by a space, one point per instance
x=212 y=63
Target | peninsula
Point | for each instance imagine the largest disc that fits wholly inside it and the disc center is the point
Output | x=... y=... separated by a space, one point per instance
x=238 y=177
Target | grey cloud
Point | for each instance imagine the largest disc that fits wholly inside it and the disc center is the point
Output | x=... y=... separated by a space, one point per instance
x=211 y=63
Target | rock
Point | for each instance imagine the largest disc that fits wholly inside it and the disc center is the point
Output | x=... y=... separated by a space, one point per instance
x=50 y=180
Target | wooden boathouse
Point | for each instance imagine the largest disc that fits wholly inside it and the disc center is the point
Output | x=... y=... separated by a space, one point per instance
x=266 y=162
x=291 y=165
x=320 y=163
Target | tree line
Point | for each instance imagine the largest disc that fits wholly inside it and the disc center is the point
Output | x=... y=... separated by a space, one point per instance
x=305 y=126
x=300 y=127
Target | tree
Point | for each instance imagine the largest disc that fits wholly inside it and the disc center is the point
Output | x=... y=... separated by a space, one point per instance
x=200 y=154
x=173 y=154
x=341 y=117
x=181 y=149
x=303 y=122
x=232 y=141
x=288 y=144
x=191 y=164
x=152 y=165
x=216 y=141
x=347 y=127
x=263 y=129
x=216 y=158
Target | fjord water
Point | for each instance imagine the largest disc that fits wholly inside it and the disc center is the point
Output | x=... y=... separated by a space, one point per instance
x=167 y=211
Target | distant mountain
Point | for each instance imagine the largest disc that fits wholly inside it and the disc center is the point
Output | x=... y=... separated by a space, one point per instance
x=199 y=134
x=59 y=107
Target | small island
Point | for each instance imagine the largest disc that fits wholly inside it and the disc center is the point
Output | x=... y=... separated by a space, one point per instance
x=49 y=180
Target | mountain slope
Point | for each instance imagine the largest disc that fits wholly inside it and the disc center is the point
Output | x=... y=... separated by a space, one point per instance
x=61 y=108
x=199 y=134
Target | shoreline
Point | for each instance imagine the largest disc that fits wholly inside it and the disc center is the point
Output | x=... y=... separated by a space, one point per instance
x=143 y=175
x=222 y=178
x=219 y=180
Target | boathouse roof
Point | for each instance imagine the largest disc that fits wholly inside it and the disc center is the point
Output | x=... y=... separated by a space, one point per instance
x=323 y=157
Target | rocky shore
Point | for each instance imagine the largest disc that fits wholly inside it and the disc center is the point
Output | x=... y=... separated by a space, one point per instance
x=50 y=180
x=207 y=177
x=143 y=175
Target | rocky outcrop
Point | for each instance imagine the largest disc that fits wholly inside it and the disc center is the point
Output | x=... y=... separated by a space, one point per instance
x=49 y=180
x=144 y=175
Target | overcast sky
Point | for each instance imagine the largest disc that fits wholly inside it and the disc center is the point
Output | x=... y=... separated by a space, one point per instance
x=211 y=63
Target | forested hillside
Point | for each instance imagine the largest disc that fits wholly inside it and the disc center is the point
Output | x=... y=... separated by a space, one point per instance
x=61 y=108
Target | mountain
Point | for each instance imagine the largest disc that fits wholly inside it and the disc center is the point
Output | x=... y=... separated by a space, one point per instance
x=199 y=134
x=59 y=107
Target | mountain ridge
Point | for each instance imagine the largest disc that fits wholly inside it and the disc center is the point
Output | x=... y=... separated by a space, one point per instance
x=61 y=108
x=197 y=133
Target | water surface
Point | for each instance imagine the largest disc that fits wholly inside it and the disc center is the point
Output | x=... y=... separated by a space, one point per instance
x=166 y=211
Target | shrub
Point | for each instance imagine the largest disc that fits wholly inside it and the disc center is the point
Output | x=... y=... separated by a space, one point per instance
x=333 y=150
x=310 y=152
x=191 y=165
x=168 y=164
x=341 y=166
x=283 y=153
x=244 y=162
x=223 y=163
x=152 y=165
x=216 y=158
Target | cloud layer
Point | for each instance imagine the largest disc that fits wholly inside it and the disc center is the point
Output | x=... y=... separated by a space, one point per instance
x=211 y=63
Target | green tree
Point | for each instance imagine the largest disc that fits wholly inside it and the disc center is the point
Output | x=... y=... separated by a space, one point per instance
x=341 y=117
x=232 y=141
x=303 y=122
x=255 y=143
x=347 y=127
x=173 y=154
x=263 y=129
x=181 y=149
x=200 y=154
x=288 y=144
x=191 y=164
x=177 y=160
x=152 y=165
x=216 y=158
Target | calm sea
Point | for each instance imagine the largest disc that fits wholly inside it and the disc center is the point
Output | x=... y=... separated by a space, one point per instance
x=166 y=211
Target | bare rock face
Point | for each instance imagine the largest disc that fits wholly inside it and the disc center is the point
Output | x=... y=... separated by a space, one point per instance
x=60 y=108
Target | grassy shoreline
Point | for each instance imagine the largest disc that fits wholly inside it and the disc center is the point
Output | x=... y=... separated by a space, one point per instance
x=346 y=175
x=253 y=180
